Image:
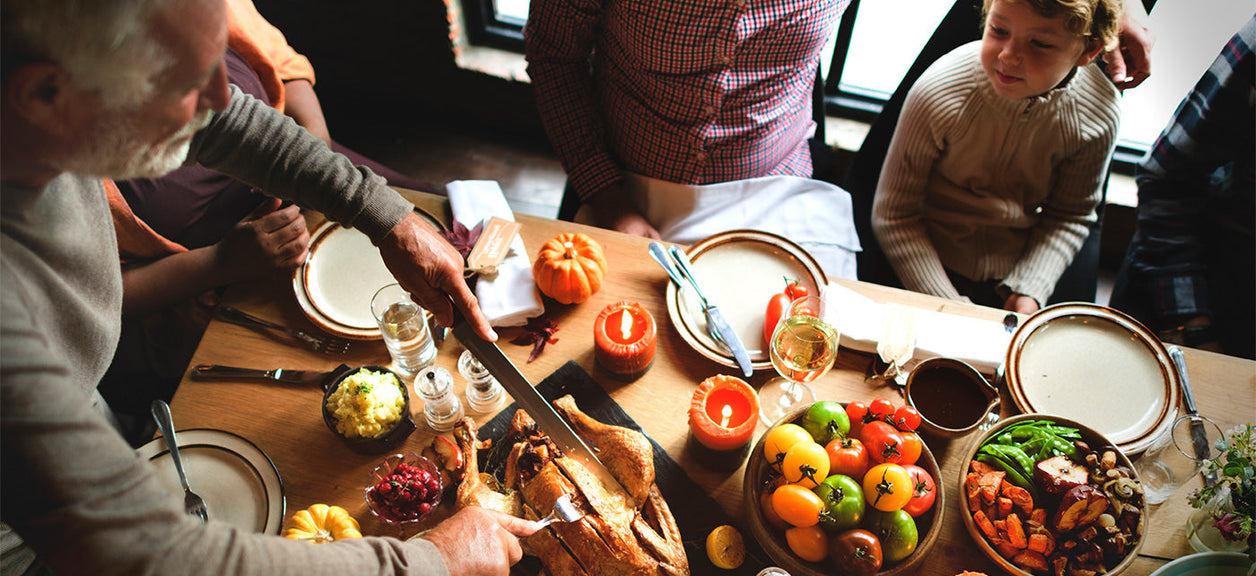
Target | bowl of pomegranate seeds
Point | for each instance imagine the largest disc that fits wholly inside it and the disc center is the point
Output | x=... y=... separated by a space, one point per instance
x=404 y=488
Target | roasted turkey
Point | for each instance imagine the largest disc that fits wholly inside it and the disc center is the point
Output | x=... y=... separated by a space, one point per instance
x=628 y=532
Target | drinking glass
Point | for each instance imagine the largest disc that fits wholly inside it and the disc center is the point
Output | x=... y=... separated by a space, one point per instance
x=803 y=348
x=403 y=325
x=1177 y=455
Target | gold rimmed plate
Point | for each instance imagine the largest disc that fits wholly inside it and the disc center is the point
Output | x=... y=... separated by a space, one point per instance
x=343 y=271
x=1097 y=366
x=239 y=483
x=739 y=271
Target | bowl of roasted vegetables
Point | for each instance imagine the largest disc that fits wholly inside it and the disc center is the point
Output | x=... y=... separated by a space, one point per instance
x=1044 y=495
x=844 y=488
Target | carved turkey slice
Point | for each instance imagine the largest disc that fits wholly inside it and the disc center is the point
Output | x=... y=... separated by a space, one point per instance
x=621 y=534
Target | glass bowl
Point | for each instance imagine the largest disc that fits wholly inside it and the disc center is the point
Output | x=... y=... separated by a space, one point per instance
x=407 y=499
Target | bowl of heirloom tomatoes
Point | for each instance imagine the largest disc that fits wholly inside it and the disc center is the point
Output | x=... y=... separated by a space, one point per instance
x=844 y=488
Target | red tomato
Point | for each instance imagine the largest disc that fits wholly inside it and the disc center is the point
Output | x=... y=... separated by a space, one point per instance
x=857 y=411
x=848 y=457
x=776 y=306
x=795 y=289
x=769 y=513
x=810 y=543
x=884 y=442
x=924 y=491
x=906 y=418
x=911 y=448
x=882 y=409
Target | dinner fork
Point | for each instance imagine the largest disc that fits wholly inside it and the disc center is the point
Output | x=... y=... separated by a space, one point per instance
x=193 y=504
x=324 y=344
x=564 y=511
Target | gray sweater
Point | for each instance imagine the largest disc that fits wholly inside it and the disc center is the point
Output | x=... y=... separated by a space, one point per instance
x=70 y=485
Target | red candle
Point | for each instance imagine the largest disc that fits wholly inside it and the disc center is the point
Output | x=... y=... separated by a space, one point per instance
x=724 y=413
x=624 y=335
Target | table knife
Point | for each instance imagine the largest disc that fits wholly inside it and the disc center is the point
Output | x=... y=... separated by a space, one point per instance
x=1199 y=435
x=717 y=326
x=218 y=372
x=533 y=403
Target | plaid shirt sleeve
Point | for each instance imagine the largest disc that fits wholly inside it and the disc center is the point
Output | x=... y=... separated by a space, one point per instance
x=1178 y=187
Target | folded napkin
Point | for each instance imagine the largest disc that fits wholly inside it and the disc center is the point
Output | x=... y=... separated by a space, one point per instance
x=510 y=297
x=981 y=343
x=696 y=512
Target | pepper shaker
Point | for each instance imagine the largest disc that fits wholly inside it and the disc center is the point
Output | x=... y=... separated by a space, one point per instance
x=484 y=392
x=441 y=407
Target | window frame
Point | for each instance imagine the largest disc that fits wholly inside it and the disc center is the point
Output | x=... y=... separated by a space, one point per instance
x=485 y=27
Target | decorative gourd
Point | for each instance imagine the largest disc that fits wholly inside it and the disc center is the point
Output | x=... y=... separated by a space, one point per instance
x=570 y=268
x=322 y=523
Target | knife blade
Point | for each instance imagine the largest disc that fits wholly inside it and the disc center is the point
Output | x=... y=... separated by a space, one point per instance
x=717 y=326
x=534 y=404
x=1199 y=434
x=219 y=372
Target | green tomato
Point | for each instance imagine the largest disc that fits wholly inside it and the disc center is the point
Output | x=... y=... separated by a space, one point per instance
x=897 y=532
x=843 y=503
x=826 y=420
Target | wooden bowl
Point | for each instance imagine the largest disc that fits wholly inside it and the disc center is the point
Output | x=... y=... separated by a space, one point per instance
x=1095 y=440
x=928 y=525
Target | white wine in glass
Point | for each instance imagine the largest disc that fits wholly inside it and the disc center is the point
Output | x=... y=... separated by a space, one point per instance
x=803 y=348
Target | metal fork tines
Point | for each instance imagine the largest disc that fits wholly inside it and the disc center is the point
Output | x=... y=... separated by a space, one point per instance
x=564 y=511
x=324 y=344
x=193 y=504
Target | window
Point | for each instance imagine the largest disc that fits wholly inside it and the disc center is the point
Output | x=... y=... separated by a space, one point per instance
x=875 y=46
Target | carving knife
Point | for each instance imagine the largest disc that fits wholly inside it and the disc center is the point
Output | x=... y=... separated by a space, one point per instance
x=1199 y=435
x=717 y=326
x=534 y=404
x=217 y=372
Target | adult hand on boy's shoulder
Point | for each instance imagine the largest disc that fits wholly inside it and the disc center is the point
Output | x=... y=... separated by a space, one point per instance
x=1129 y=63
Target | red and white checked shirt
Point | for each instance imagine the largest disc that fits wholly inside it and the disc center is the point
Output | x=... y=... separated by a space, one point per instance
x=688 y=91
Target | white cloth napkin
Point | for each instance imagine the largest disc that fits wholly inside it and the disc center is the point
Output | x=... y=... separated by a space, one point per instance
x=511 y=297
x=981 y=343
x=814 y=214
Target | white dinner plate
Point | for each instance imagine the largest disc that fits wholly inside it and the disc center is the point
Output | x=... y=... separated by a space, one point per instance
x=739 y=271
x=1097 y=366
x=239 y=483
x=335 y=284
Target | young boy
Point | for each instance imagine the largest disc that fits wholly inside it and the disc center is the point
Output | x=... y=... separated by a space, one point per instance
x=998 y=160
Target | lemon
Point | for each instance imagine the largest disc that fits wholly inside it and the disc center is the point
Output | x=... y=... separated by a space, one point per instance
x=725 y=548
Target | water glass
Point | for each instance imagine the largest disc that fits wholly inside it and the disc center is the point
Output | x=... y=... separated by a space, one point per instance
x=403 y=325
x=1178 y=454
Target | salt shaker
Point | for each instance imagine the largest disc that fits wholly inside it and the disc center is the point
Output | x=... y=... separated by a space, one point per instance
x=441 y=407
x=484 y=392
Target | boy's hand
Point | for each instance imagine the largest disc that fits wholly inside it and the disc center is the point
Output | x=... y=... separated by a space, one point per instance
x=1021 y=304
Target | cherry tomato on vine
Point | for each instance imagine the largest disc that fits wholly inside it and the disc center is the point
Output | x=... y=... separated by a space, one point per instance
x=924 y=491
x=797 y=505
x=826 y=420
x=806 y=464
x=855 y=553
x=884 y=442
x=847 y=456
x=897 y=532
x=856 y=411
x=780 y=439
x=911 y=448
x=887 y=487
x=882 y=409
x=809 y=542
x=906 y=418
x=796 y=289
x=843 y=502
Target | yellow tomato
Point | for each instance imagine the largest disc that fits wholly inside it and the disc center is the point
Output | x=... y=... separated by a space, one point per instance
x=780 y=439
x=887 y=487
x=806 y=463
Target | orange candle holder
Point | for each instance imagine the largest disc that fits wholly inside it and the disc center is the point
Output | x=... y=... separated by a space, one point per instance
x=624 y=337
x=724 y=413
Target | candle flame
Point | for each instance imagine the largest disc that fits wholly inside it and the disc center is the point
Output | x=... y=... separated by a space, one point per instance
x=727 y=412
x=625 y=325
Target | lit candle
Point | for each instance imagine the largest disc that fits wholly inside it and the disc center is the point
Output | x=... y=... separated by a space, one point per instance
x=724 y=413
x=624 y=336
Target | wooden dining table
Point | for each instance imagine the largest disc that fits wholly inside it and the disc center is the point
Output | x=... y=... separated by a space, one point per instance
x=285 y=421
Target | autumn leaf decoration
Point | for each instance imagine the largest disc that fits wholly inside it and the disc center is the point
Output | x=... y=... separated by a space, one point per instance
x=538 y=332
x=463 y=239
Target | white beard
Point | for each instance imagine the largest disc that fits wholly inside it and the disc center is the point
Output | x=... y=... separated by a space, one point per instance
x=118 y=154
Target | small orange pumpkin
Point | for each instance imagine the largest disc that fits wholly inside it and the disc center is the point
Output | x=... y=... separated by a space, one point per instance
x=570 y=268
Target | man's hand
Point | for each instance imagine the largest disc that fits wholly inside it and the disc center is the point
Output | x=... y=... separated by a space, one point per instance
x=268 y=239
x=612 y=210
x=479 y=542
x=1131 y=58
x=430 y=269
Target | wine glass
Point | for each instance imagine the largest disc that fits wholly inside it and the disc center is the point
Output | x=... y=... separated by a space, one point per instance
x=803 y=348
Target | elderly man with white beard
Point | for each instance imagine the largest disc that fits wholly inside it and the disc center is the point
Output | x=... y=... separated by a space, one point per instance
x=96 y=89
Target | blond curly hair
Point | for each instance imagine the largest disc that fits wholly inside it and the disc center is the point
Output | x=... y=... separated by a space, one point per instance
x=1095 y=20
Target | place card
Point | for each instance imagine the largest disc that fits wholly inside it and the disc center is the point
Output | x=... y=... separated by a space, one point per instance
x=493 y=246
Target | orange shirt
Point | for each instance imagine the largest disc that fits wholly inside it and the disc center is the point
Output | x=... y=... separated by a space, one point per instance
x=265 y=49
